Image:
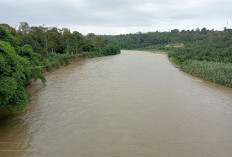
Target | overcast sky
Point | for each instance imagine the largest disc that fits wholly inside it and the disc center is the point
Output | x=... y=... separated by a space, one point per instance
x=119 y=16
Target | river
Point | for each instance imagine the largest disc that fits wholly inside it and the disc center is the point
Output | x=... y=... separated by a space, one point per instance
x=136 y=104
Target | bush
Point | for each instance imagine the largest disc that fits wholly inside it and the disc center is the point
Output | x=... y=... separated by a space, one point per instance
x=110 y=49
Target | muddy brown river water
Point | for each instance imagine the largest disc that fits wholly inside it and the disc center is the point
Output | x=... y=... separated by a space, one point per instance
x=136 y=104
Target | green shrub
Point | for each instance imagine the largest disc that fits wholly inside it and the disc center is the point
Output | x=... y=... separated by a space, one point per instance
x=109 y=49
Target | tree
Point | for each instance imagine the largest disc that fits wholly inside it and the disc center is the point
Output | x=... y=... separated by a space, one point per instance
x=68 y=39
x=24 y=28
x=175 y=31
x=204 y=30
x=55 y=43
x=9 y=28
x=88 y=45
x=78 y=41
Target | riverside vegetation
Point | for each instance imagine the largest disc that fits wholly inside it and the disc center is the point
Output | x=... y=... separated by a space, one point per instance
x=25 y=54
x=201 y=52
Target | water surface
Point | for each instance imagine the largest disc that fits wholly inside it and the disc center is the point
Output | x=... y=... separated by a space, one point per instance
x=136 y=104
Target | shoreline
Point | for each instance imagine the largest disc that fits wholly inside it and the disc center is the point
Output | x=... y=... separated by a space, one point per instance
x=179 y=67
x=61 y=65
x=4 y=113
x=163 y=52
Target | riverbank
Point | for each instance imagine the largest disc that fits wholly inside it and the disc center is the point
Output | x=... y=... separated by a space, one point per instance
x=45 y=70
x=60 y=64
x=171 y=59
x=72 y=58
x=215 y=72
x=53 y=66
x=25 y=58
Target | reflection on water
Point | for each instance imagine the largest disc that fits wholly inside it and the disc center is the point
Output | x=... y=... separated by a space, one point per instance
x=132 y=104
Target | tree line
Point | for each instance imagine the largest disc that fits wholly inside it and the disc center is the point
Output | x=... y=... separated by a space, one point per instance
x=46 y=40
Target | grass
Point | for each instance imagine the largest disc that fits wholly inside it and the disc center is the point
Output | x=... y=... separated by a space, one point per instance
x=220 y=73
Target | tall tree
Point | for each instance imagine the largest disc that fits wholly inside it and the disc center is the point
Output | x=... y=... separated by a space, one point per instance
x=24 y=28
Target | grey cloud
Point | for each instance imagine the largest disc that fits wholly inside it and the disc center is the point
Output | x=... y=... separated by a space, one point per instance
x=116 y=15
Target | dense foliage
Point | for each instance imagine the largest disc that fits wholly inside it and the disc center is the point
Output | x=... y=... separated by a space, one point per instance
x=15 y=73
x=151 y=39
x=204 y=53
x=25 y=53
x=45 y=40
x=217 y=51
